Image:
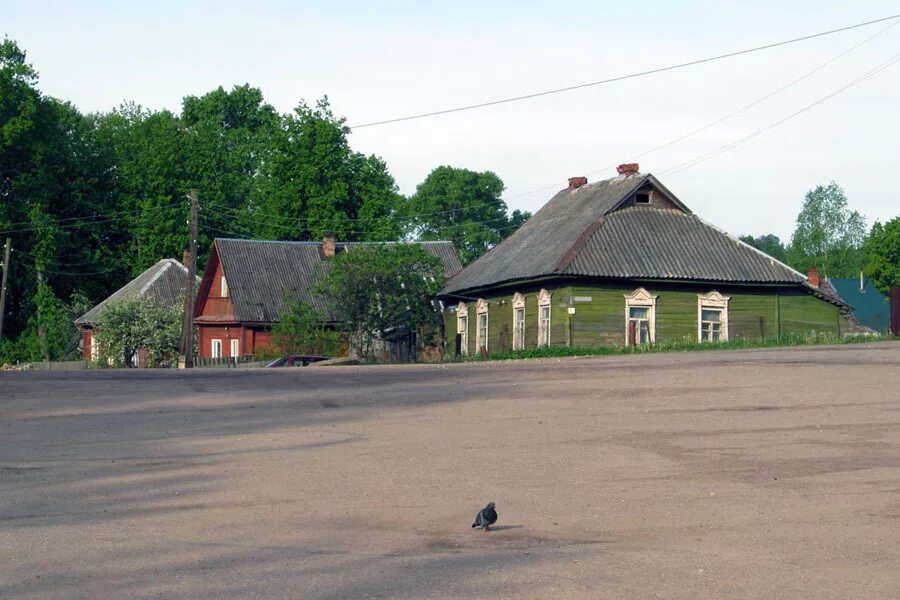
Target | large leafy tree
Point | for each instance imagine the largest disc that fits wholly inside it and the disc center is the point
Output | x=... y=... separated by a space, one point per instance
x=230 y=138
x=378 y=289
x=314 y=182
x=55 y=182
x=882 y=250
x=770 y=244
x=464 y=207
x=828 y=234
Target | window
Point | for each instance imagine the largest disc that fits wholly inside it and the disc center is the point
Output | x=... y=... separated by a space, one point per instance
x=712 y=317
x=481 y=333
x=216 y=348
x=640 y=318
x=518 y=321
x=462 y=327
x=642 y=198
x=544 y=318
x=235 y=348
x=224 y=287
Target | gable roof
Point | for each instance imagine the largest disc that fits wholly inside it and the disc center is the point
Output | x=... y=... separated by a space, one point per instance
x=593 y=231
x=259 y=273
x=162 y=285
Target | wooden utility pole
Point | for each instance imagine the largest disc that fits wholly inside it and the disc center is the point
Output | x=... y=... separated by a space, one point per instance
x=6 y=250
x=187 y=332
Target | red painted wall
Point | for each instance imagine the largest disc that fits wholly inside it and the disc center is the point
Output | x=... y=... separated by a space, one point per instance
x=86 y=335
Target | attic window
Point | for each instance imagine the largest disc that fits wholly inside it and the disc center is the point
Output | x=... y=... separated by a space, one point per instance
x=642 y=198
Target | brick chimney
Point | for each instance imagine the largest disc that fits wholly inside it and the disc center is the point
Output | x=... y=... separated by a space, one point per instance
x=814 y=277
x=577 y=182
x=329 y=243
x=628 y=168
x=186 y=257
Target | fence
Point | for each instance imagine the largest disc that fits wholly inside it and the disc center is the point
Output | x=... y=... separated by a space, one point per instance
x=228 y=362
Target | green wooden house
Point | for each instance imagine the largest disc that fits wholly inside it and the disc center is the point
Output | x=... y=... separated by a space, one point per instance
x=624 y=261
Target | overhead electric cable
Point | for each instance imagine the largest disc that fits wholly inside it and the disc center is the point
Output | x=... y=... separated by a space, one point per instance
x=706 y=156
x=624 y=77
x=746 y=107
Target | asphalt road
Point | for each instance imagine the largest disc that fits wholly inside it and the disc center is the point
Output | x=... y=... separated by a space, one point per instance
x=752 y=474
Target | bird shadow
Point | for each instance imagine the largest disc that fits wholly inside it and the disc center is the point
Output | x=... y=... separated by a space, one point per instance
x=502 y=527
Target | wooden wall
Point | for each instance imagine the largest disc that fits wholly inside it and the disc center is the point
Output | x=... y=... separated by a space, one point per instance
x=599 y=314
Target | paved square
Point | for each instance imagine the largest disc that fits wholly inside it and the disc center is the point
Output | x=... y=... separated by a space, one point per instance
x=747 y=474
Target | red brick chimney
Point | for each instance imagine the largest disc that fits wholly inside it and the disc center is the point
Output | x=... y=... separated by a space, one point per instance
x=186 y=257
x=627 y=168
x=329 y=243
x=814 y=277
x=577 y=182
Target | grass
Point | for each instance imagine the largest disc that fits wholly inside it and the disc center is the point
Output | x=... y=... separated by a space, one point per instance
x=676 y=346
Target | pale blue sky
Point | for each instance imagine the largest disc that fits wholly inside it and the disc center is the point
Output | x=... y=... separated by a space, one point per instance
x=389 y=59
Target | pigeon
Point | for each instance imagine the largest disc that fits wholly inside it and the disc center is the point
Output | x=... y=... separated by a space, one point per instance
x=486 y=517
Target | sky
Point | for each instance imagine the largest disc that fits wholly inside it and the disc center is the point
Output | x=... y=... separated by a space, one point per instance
x=383 y=60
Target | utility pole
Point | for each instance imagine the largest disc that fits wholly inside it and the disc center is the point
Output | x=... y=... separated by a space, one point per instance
x=187 y=332
x=6 y=250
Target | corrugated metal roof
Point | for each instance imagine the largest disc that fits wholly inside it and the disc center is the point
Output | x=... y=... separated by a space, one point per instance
x=162 y=284
x=260 y=272
x=538 y=247
x=593 y=232
x=642 y=242
x=870 y=306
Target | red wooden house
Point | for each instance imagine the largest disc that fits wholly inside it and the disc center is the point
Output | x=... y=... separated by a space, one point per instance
x=245 y=282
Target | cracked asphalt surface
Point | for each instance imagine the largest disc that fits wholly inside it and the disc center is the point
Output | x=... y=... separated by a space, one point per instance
x=744 y=474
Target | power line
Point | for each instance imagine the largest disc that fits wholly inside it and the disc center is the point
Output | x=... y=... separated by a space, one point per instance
x=82 y=221
x=743 y=109
x=622 y=77
x=706 y=156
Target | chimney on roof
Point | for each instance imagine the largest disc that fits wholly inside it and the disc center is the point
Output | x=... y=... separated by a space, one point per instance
x=186 y=257
x=628 y=169
x=329 y=243
x=577 y=182
x=814 y=277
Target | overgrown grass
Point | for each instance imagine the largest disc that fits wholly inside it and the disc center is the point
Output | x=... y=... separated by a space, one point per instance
x=676 y=346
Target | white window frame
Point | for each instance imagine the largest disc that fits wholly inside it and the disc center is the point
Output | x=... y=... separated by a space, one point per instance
x=95 y=347
x=544 y=327
x=462 y=327
x=713 y=301
x=215 y=348
x=482 y=311
x=518 y=305
x=641 y=298
x=224 y=287
x=235 y=348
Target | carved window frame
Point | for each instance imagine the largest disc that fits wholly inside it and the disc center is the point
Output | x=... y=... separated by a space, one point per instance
x=544 y=299
x=481 y=310
x=462 y=327
x=641 y=298
x=713 y=300
x=518 y=306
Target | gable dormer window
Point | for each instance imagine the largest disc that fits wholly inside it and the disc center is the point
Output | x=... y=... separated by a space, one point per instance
x=642 y=198
x=224 y=287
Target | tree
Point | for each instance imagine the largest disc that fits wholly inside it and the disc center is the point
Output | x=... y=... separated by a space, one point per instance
x=828 y=234
x=770 y=244
x=127 y=326
x=378 y=289
x=882 y=251
x=464 y=207
x=314 y=182
x=301 y=329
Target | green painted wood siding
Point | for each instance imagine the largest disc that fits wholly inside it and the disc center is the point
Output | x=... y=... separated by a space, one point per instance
x=599 y=318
